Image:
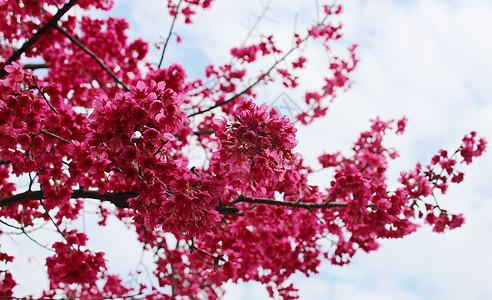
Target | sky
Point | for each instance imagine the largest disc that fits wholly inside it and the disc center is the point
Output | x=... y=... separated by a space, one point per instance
x=428 y=60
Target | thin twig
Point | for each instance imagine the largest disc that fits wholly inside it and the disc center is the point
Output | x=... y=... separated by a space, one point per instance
x=42 y=30
x=160 y=148
x=169 y=35
x=42 y=94
x=52 y=221
x=315 y=215
x=36 y=242
x=193 y=247
x=20 y=228
x=10 y=225
x=266 y=7
x=31 y=182
x=54 y=136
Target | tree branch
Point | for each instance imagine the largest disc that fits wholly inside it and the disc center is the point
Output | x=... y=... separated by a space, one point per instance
x=42 y=30
x=266 y=8
x=5 y=162
x=308 y=206
x=35 y=66
x=91 y=54
x=203 y=132
x=244 y=90
x=169 y=35
x=118 y=199
x=42 y=94
x=54 y=136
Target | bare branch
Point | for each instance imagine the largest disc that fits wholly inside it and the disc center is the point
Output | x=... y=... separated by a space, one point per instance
x=36 y=242
x=266 y=8
x=42 y=30
x=169 y=35
x=53 y=221
x=228 y=210
x=35 y=66
x=203 y=132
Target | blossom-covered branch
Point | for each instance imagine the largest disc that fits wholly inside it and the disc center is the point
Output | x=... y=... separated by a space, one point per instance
x=91 y=54
x=39 y=33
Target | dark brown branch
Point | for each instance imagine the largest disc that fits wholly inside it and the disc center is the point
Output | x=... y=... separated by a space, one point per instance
x=169 y=35
x=308 y=206
x=35 y=66
x=42 y=30
x=5 y=162
x=118 y=199
x=91 y=54
x=227 y=210
x=203 y=132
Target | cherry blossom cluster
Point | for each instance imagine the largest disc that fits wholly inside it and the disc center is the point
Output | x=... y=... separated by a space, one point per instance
x=133 y=136
x=338 y=79
x=255 y=151
x=7 y=282
x=71 y=265
x=189 y=9
x=78 y=74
